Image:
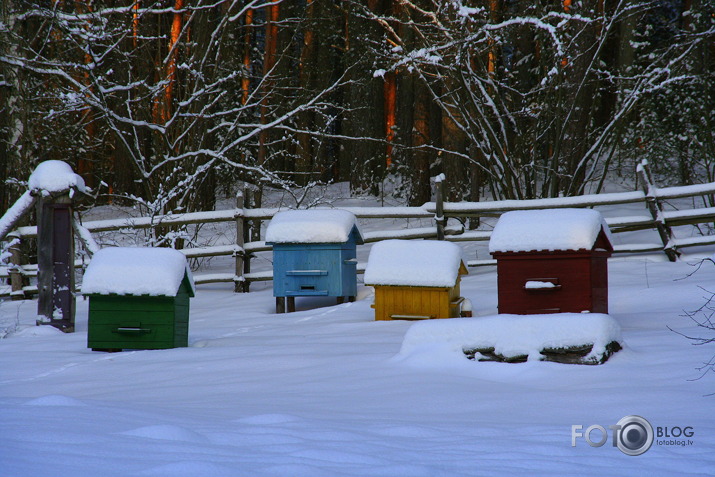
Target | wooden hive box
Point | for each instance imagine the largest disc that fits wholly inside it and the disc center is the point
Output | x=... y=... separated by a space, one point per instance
x=552 y=261
x=415 y=280
x=138 y=299
x=314 y=254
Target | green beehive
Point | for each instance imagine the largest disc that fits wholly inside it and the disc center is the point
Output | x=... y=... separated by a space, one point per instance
x=138 y=299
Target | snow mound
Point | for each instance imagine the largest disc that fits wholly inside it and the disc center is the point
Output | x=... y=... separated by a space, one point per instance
x=311 y=226
x=136 y=271
x=190 y=468
x=31 y=331
x=168 y=433
x=55 y=400
x=512 y=335
x=552 y=229
x=267 y=419
x=55 y=176
x=419 y=263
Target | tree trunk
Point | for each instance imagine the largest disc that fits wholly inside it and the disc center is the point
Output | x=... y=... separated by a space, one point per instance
x=421 y=138
x=306 y=120
x=390 y=98
x=365 y=104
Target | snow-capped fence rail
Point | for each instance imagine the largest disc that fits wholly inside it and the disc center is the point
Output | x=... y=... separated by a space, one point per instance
x=246 y=245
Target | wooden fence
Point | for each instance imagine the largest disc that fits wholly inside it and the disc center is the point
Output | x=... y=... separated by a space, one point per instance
x=248 y=240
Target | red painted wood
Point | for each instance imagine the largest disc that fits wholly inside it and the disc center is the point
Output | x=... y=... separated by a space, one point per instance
x=582 y=277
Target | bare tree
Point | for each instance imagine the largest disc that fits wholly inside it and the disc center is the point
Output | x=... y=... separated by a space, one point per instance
x=163 y=93
x=15 y=146
x=164 y=100
x=704 y=319
x=536 y=89
x=675 y=127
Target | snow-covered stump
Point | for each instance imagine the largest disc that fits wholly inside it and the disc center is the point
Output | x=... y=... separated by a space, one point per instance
x=577 y=354
x=569 y=338
x=54 y=184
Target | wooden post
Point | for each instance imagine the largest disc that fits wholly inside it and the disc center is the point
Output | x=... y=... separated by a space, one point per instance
x=656 y=211
x=55 y=262
x=466 y=310
x=16 y=278
x=285 y=304
x=290 y=304
x=240 y=252
x=439 y=212
x=247 y=232
x=252 y=200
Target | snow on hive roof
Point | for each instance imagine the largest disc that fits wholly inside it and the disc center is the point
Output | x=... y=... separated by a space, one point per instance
x=551 y=229
x=136 y=271
x=419 y=263
x=312 y=226
x=55 y=176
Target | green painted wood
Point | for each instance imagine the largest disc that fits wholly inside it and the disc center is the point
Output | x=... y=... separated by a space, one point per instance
x=131 y=304
x=185 y=287
x=147 y=336
x=147 y=317
x=139 y=322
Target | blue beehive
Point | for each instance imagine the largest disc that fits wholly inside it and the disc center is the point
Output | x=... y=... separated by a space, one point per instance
x=314 y=254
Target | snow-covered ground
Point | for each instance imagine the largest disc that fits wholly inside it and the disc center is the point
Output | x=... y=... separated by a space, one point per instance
x=325 y=391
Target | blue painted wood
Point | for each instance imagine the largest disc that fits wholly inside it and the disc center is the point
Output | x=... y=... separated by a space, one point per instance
x=310 y=269
x=306 y=273
x=307 y=292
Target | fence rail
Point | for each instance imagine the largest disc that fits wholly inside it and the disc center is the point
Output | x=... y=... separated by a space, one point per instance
x=654 y=217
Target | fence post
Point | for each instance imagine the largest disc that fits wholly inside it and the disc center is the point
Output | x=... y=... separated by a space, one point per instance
x=247 y=237
x=656 y=210
x=16 y=278
x=240 y=252
x=252 y=198
x=439 y=206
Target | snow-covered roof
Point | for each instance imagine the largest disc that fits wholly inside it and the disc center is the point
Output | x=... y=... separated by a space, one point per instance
x=55 y=176
x=548 y=230
x=312 y=226
x=136 y=271
x=419 y=263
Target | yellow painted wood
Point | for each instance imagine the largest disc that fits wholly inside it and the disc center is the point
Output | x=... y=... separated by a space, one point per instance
x=432 y=302
x=416 y=301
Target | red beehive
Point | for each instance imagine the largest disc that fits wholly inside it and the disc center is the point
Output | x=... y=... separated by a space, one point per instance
x=552 y=261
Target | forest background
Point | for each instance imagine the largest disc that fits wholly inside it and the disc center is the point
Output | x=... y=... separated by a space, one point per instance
x=165 y=104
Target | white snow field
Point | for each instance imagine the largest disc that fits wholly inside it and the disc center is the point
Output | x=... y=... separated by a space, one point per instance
x=325 y=391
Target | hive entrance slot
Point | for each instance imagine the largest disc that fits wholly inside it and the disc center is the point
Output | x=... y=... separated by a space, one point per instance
x=307 y=287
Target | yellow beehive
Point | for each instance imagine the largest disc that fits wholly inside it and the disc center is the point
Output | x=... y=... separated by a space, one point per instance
x=415 y=280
